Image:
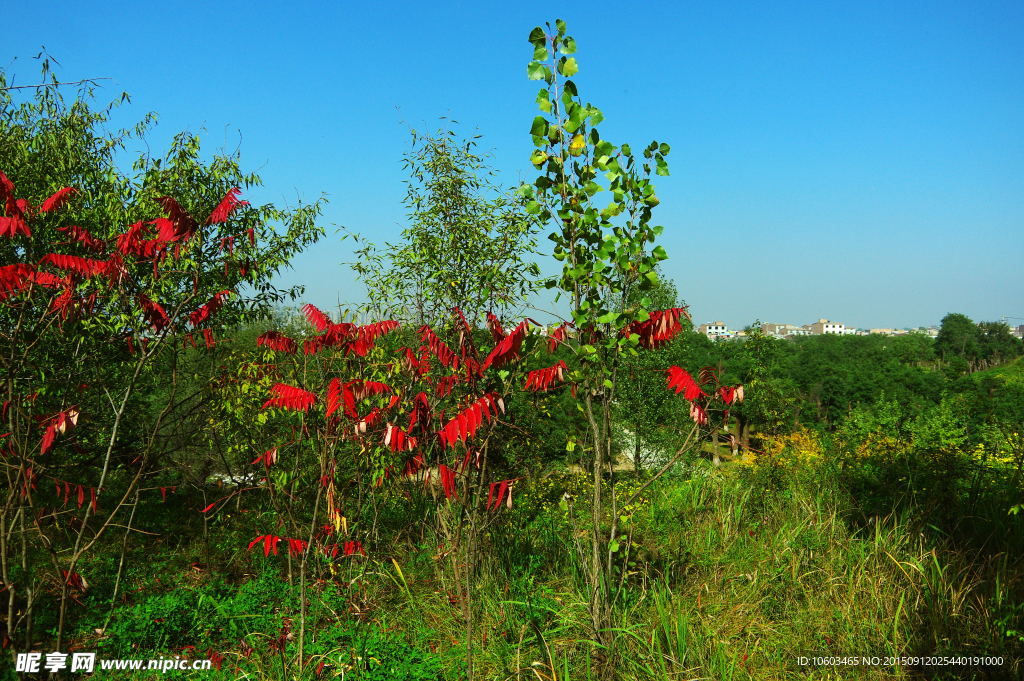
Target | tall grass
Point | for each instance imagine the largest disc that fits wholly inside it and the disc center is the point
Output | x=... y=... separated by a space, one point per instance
x=725 y=573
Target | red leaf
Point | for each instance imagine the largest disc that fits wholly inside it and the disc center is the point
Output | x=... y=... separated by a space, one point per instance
x=14 y=278
x=542 y=378
x=6 y=189
x=184 y=225
x=681 y=380
x=497 y=333
x=445 y=384
x=333 y=391
x=205 y=510
x=10 y=226
x=508 y=349
x=409 y=360
x=317 y=318
x=504 y=486
x=289 y=397
x=557 y=336
x=443 y=353
x=268 y=457
x=153 y=313
x=464 y=425
x=447 y=480
x=421 y=413
x=48 y=437
x=76 y=233
x=371 y=332
x=227 y=205
x=209 y=309
x=58 y=199
x=82 y=266
x=661 y=327
x=277 y=342
x=350 y=401
x=364 y=389
x=163 y=494
x=81 y=496
x=92 y=496
x=395 y=438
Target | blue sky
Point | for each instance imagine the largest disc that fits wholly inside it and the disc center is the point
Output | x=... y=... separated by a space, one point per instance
x=862 y=163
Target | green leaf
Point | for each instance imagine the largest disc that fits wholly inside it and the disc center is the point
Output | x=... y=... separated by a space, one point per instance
x=540 y=53
x=563 y=504
x=542 y=100
x=539 y=127
x=662 y=168
x=568 y=46
x=560 y=25
x=537 y=34
x=535 y=70
x=595 y=115
x=664 y=149
x=568 y=67
x=614 y=546
x=533 y=208
x=658 y=229
x=659 y=253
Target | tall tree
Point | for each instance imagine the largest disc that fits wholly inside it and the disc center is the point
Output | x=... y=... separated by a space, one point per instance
x=607 y=274
x=958 y=337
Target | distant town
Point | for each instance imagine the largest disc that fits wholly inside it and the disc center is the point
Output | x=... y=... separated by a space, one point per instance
x=719 y=330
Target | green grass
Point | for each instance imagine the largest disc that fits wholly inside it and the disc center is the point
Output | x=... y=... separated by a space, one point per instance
x=730 y=573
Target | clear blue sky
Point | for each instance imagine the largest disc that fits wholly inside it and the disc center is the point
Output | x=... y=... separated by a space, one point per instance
x=863 y=163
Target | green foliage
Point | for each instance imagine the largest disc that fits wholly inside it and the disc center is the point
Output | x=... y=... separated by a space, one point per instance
x=958 y=337
x=103 y=353
x=467 y=244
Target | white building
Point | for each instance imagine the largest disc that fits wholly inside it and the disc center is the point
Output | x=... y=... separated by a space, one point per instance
x=825 y=326
x=713 y=330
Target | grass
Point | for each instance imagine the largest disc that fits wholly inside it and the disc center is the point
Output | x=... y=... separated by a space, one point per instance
x=729 y=573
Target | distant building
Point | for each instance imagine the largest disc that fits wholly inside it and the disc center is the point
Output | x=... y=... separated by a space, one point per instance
x=779 y=329
x=881 y=332
x=823 y=326
x=713 y=330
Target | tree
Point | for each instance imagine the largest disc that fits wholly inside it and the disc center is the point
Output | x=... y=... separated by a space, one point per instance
x=105 y=277
x=996 y=344
x=607 y=274
x=958 y=336
x=649 y=414
x=467 y=245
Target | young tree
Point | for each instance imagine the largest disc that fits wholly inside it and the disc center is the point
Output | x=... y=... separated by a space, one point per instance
x=607 y=275
x=467 y=245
